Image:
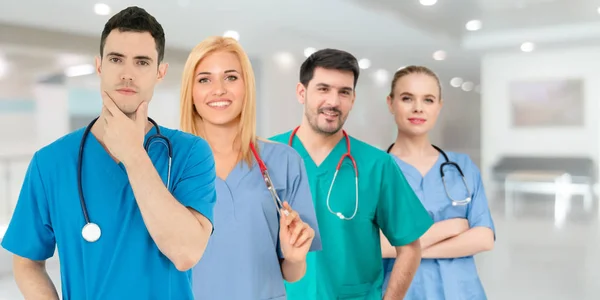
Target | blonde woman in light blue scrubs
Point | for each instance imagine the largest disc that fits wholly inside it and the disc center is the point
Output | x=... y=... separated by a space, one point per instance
x=255 y=245
x=462 y=228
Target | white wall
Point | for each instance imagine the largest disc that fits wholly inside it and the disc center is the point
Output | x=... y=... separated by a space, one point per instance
x=497 y=136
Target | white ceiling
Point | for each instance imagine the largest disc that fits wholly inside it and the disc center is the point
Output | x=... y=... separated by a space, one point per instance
x=390 y=33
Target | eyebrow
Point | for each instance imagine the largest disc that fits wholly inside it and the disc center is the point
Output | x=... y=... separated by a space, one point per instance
x=117 y=54
x=409 y=94
x=344 y=88
x=226 y=72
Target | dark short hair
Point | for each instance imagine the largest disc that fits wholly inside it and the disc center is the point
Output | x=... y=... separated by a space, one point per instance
x=331 y=59
x=135 y=19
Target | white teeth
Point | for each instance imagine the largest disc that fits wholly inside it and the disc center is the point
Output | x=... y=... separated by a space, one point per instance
x=219 y=103
x=330 y=113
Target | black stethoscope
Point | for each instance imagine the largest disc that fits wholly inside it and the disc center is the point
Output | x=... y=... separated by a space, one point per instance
x=448 y=163
x=91 y=231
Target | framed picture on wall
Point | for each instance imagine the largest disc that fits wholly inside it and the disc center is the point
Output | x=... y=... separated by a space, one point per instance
x=547 y=103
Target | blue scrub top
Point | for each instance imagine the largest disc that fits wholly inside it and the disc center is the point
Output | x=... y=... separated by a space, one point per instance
x=241 y=260
x=455 y=278
x=124 y=263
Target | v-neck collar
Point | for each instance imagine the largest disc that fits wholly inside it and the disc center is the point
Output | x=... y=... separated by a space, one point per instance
x=96 y=149
x=332 y=159
x=413 y=172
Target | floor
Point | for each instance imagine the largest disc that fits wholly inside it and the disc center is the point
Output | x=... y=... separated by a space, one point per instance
x=534 y=258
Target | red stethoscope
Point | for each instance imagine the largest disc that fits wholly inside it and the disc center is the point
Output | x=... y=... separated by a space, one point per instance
x=268 y=181
x=337 y=169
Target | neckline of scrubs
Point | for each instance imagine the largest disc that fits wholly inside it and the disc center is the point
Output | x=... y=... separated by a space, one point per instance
x=330 y=162
x=101 y=153
x=412 y=171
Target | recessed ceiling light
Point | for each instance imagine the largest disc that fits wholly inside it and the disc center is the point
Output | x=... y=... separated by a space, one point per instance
x=527 y=47
x=80 y=70
x=364 y=63
x=456 y=82
x=232 y=34
x=309 y=51
x=284 y=59
x=381 y=76
x=101 y=9
x=439 y=55
x=473 y=25
x=467 y=86
x=428 y=2
x=598 y=10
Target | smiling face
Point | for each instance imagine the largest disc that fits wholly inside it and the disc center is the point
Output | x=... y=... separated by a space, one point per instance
x=129 y=68
x=219 y=90
x=327 y=99
x=415 y=103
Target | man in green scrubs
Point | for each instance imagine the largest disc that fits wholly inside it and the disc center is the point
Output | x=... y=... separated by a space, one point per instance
x=350 y=220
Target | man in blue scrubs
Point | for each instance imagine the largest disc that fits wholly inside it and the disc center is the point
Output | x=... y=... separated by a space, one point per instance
x=151 y=233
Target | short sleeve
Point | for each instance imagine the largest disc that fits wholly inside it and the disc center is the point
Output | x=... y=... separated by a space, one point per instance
x=196 y=187
x=400 y=214
x=478 y=212
x=30 y=232
x=300 y=198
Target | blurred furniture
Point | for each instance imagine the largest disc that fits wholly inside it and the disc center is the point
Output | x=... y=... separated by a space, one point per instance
x=559 y=176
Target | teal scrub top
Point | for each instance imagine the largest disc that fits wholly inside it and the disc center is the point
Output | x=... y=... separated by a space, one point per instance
x=449 y=278
x=349 y=266
x=124 y=263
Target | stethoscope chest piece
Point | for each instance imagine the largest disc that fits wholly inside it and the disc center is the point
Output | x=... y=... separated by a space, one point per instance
x=91 y=232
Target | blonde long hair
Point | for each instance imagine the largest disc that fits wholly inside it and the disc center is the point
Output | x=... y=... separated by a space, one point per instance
x=191 y=121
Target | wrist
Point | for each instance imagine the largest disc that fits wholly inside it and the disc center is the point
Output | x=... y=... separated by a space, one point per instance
x=294 y=262
x=135 y=158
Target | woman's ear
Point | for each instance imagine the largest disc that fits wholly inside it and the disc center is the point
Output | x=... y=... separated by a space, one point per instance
x=389 y=101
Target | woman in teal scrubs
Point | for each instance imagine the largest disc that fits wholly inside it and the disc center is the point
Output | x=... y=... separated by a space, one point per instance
x=252 y=249
x=447 y=269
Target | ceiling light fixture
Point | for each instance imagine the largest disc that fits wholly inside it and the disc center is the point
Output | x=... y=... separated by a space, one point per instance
x=456 y=82
x=467 y=86
x=232 y=34
x=284 y=59
x=381 y=77
x=527 y=47
x=473 y=25
x=101 y=9
x=80 y=70
x=428 y=2
x=309 y=51
x=439 y=55
x=364 y=63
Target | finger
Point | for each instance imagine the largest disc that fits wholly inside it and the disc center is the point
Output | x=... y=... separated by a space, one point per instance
x=296 y=232
x=291 y=217
x=110 y=104
x=141 y=115
x=306 y=236
x=106 y=115
x=282 y=224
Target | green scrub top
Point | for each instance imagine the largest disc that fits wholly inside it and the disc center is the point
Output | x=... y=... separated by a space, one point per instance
x=349 y=265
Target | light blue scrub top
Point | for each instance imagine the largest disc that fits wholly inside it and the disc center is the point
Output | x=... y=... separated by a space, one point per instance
x=241 y=260
x=455 y=278
x=124 y=263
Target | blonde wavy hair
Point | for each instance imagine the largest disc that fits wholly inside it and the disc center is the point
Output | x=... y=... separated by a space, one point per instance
x=191 y=121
